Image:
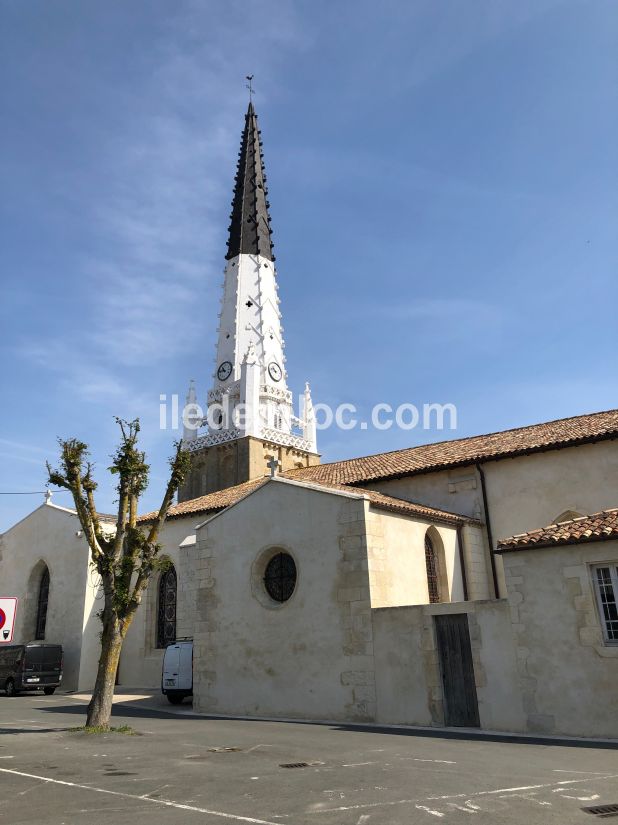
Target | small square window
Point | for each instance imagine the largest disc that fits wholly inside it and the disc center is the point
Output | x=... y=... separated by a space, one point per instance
x=605 y=579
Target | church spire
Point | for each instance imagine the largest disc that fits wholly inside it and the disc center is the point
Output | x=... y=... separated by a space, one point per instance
x=250 y=407
x=249 y=229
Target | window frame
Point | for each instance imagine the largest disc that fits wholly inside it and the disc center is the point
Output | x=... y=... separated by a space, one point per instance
x=287 y=572
x=162 y=605
x=42 y=605
x=432 y=560
x=258 y=568
x=612 y=566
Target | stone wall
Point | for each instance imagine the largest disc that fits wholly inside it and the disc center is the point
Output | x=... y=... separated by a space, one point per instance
x=408 y=678
x=523 y=493
x=141 y=660
x=309 y=657
x=234 y=462
x=567 y=672
x=395 y=548
x=52 y=536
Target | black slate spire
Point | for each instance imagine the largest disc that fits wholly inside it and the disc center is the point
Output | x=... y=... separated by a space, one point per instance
x=250 y=226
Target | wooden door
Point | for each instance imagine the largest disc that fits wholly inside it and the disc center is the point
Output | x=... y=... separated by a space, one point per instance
x=457 y=670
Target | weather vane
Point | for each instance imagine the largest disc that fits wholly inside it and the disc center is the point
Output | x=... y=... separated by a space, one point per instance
x=249 y=86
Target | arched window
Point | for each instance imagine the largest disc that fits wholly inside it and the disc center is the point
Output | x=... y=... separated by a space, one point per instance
x=166 y=615
x=433 y=570
x=41 y=611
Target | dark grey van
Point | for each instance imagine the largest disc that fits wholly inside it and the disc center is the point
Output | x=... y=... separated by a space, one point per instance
x=33 y=666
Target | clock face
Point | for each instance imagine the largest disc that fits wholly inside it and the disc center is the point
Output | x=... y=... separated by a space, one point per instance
x=224 y=371
x=274 y=370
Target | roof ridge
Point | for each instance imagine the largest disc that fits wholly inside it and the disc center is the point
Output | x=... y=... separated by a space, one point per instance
x=561 y=525
x=462 y=438
x=592 y=527
x=365 y=492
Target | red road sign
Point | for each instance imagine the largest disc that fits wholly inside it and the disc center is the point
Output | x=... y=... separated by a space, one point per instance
x=8 y=609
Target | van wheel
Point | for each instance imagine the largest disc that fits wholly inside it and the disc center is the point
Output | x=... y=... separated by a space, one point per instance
x=175 y=698
x=48 y=690
x=10 y=688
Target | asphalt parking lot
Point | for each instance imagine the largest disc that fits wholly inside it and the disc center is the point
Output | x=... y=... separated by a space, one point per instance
x=184 y=768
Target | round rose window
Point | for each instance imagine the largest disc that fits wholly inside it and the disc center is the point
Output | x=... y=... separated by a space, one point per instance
x=280 y=577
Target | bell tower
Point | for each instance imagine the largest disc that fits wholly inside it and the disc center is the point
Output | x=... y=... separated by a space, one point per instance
x=250 y=415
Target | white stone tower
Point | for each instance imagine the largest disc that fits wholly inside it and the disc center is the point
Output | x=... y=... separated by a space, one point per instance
x=250 y=407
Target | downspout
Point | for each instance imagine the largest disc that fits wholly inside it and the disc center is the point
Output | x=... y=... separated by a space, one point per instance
x=462 y=560
x=490 y=539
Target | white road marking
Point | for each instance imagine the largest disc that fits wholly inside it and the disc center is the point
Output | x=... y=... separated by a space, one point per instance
x=156 y=790
x=436 y=761
x=108 y=810
x=357 y=764
x=7 y=757
x=581 y=798
x=530 y=797
x=28 y=789
x=459 y=807
x=429 y=810
x=593 y=773
x=467 y=796
x=145 y=798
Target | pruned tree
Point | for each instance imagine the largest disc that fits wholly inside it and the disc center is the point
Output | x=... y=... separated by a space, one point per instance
x=126 y=557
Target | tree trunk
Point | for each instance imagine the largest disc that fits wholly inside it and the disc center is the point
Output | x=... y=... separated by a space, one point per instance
x=100 y=706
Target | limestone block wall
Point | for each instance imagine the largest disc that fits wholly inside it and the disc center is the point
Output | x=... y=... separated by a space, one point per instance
x=396 y=559
x=310 y=657
x=530 y=492
x=233 y=462
x=523 y=493
x=141 y=660
x=407 y=666
x=478 y=569
x=91 y=638
x=567 y=672
x=187 y=590
x=49 y=536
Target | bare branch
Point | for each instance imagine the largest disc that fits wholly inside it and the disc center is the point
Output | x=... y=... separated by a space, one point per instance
x=126 y=559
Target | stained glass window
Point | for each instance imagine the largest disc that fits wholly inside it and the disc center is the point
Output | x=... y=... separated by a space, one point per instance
x=431 y=563
x=166 y=617
x=41 y=612
x=280 y=577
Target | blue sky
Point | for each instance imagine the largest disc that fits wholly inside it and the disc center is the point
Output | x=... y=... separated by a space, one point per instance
x=443 y=185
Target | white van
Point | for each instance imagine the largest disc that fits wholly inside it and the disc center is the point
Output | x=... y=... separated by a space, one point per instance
x=177 y=676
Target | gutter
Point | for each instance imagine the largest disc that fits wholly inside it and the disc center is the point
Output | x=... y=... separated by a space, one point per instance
x=462 y=560
x=494 y=572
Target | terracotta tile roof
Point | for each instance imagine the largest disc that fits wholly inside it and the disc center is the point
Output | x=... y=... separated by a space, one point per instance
x=458 y=452
x=214 y=502
x=210 y=502
x=395 y=505
x=596 y=527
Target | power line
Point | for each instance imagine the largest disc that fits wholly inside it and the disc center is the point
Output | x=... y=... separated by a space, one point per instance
x=35 y=493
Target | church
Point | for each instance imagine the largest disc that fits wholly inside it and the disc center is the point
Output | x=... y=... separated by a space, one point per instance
x=467 y=583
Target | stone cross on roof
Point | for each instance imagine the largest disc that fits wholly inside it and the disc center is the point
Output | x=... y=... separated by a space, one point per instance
x=273 y=466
